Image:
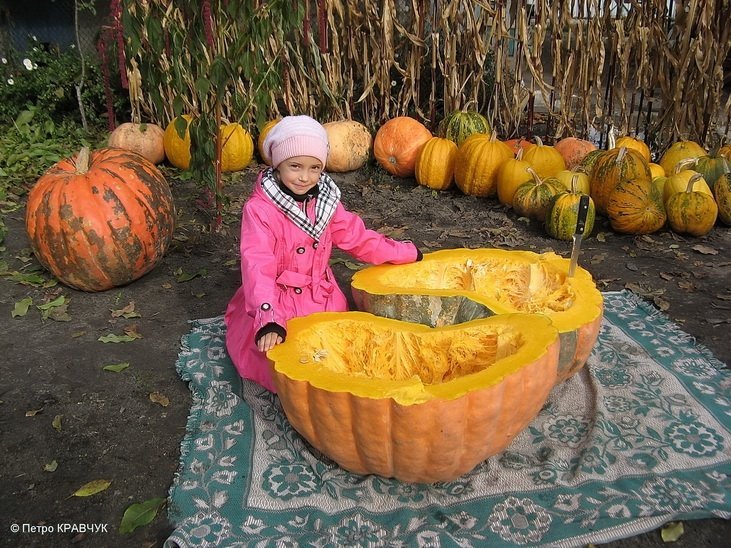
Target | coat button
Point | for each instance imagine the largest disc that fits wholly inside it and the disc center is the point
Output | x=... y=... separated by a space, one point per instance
x=298 y=290
x=300 y=250
x=266 y=306
x=314 y=246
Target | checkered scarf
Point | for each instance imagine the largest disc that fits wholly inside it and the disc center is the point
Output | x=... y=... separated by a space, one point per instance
x=328 y=196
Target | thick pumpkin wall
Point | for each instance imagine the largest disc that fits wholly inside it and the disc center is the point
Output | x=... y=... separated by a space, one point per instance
x=104 y=228
x=438 y=440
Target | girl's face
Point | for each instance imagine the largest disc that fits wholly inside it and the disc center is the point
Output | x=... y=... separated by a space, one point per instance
x=300 y=173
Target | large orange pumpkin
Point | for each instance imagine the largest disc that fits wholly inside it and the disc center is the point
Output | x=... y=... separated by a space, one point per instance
x=145 y=139
x=100 y=220
x=403 y=400
x=398 y=143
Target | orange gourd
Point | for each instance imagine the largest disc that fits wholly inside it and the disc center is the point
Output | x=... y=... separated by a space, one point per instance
x=397 y=145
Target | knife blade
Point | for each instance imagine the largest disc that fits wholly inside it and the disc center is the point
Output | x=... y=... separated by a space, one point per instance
x=578 y=233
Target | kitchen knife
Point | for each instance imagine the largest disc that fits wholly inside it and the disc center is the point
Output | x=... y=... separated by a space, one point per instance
x=578 y=233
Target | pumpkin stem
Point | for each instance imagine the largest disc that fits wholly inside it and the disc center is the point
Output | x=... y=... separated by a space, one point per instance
x=574 y=179
x=692 y=181
x=82 y=161
x=538 y=141
x=620 y=156
x=536 y=177
x=519 y=154
x=682 y=164
x=611 y=140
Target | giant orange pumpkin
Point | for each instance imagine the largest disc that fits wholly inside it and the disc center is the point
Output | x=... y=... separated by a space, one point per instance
x=100 y=220
x=397 y=145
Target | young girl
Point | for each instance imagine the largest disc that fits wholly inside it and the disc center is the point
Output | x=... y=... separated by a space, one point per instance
x=290 y=223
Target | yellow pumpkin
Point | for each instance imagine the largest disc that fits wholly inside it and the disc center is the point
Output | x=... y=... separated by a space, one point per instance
x=237 y=147
x=458 y=285
x=510 y=176
x=408 y=401
x=636 y=144
x=692 y=212
x=350 y=145
x=177 y=148
x=574 y=181
x=680 y=150
x=678 y=182
x=479 y=158
x=434 y=166
x=656 y=170
x=722 y=194
x=145 y=139
x=260 y=141
x=612 y=168
x=545 y=159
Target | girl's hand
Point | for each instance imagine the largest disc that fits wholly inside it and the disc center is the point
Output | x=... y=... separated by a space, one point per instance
x=268 y=341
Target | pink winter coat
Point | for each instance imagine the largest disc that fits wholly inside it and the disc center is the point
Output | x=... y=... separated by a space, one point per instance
x=285 y=274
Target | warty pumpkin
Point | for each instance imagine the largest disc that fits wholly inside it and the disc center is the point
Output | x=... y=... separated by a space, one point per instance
x=532 y=198
x=545 y=159
x=574 y=150
x=692 y=211
x=403 y=400
x=563 y=213
x=478 y=161
x=145 y=139
x=460 y=124
x=722 y=194
x=398 y=143
x=101 y=219
x=680 y=150
x=611 y=169
x=458 y=285
x=350 y=145
x=435 y=164
x=510 y=176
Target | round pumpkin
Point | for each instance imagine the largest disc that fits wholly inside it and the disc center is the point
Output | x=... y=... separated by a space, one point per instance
x=458 y=285
x=725 y=151
x=545 y=159
x=656 y=170
x=722 y=194
x=510 y=176
x=266 y=128
x=692 y=212
x=478 y=161
x=237 y=147
x=574 y=150
x=460 y=124
x=350 y=145
x=711 y=166
x=611 y=169
x=635 y=144
x=100 y=220
x=574 y=181
x=532 y=198
x=398 y=143
x=678 y=182
x=145 y=139
x=680 y=150
x=435 y=164
x=408 y=401
x=635 y=206
x=177 y=148
x=563 y=215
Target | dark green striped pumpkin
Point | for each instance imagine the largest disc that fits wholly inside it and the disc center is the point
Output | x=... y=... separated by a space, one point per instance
x=460 y=124
x=563 y=213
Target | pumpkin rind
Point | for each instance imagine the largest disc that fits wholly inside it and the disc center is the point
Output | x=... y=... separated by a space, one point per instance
x=458 y=285
x=477 y=164
x=397 y=144
x=103 y=228
x=350 y=145
x=145 y=139
x=460 y=124
x=434 y=166
x=368 y=391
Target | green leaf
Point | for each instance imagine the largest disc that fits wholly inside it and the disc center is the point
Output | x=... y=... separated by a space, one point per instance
x=116 y=367
x=58 y=301
x=112 y=338
x=56 y=423
x=51 y=466
x=140 y=514
x=21 y=307
x=672 y=531
x=92 y=488
x=182 y=276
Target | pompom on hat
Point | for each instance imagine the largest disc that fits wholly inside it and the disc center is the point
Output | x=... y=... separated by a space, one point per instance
x=296 y=136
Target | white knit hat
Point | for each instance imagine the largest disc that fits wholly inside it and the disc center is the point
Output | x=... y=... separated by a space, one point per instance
x=296 y=136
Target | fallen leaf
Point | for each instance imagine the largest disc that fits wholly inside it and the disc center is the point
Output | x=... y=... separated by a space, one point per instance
x=140 y=514
x=182 y=276
x=632 y=266
x=131 y=331
x=21 y=307
x=661 y=303
x=161 y=399
x=601 y=236
x=112 y=338
x=33 y=412
x=91 y=488
x=126 y=312
x=672 y=531
x=116 y=367
x=665 y=276
x=56 y=423
x=51 y=466
x=704 y=249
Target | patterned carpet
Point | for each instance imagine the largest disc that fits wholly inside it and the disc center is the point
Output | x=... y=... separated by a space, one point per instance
x=639 y=437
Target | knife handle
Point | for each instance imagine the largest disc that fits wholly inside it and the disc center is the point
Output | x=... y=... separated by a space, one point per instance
x=581 y=214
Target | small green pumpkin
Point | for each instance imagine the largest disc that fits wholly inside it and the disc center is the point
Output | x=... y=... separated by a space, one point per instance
x=532 y=198
x=563 y=213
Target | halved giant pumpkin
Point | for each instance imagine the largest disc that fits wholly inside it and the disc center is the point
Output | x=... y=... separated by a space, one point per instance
x=458 y=285
x=404 y=400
